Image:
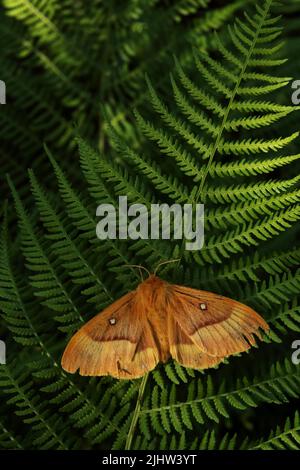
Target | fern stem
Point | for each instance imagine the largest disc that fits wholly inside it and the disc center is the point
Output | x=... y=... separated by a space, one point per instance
x=136 y=413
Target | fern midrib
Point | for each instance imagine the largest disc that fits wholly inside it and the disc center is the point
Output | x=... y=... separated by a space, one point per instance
x=228 y=110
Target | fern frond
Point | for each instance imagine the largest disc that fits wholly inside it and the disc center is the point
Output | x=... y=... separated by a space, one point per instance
x=67 y=249
x=251 y=191
x=168 y=185
x=283 y=438
x=222 y=246
x=203 y=401
x=83 y=220
x=251 y=168
x=255 y=267
x=47 y=427
x=45 y=280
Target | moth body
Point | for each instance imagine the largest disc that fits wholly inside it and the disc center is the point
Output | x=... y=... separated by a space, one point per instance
x=152 y=294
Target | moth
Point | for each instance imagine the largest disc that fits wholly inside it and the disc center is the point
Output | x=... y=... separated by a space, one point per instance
x=158 y=321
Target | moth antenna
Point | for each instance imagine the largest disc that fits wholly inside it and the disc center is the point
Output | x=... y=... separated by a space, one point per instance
x=139 y=267
x=165 y=262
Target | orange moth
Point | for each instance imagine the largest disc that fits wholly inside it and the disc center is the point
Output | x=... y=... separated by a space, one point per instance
x=158 y=321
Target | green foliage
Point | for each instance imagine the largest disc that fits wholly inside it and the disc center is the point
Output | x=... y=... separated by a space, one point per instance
x=214 y=133
x=63 y=60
